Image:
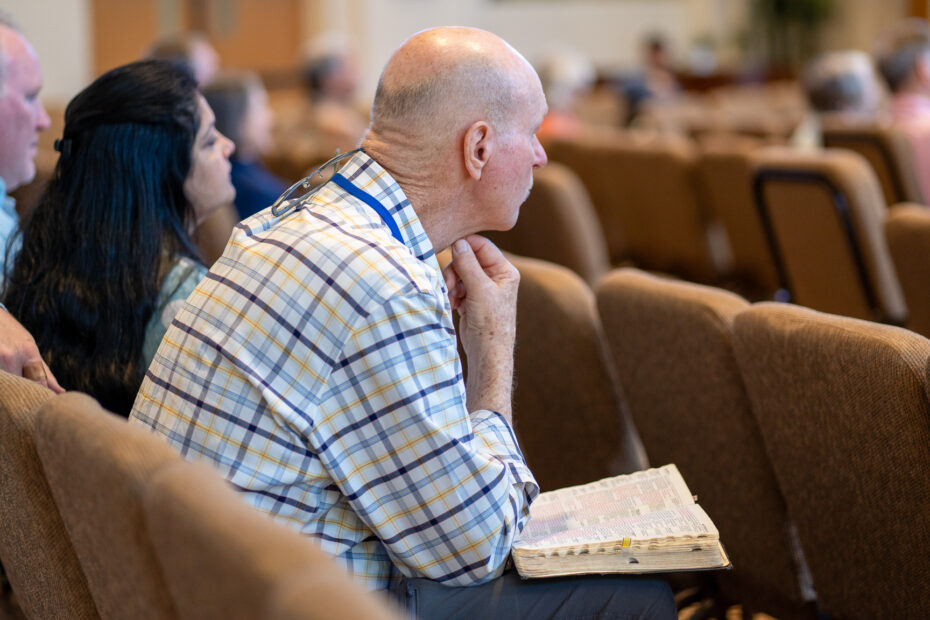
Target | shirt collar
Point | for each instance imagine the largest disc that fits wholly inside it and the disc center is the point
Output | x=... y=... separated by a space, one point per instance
x=366 y=174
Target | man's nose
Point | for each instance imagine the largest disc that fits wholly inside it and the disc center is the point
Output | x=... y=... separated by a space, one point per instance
x=541 y=158
x=43 y=121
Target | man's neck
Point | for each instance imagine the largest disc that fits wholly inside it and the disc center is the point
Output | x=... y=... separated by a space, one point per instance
x=433 y=198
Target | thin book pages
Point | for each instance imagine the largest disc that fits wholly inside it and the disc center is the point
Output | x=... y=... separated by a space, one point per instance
x=637 y=523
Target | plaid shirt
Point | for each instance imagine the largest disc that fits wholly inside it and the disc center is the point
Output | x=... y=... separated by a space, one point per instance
x=316 y=366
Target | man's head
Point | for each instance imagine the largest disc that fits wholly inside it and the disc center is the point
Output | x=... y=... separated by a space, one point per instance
x=22 y=116
x=903 y=56
x=464 y=106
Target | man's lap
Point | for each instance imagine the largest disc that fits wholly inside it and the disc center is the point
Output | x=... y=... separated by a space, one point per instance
x=587 y=596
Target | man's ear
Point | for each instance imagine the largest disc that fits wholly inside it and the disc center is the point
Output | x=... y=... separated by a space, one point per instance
x=478 y=146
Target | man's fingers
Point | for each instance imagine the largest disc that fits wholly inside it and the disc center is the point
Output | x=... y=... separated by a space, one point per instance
x=466 y=263
x=450 y=276
x=491 y=259
x=34 y=370
x=52 y=382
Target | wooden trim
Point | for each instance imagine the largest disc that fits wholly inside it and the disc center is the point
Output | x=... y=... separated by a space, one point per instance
x=919 y=8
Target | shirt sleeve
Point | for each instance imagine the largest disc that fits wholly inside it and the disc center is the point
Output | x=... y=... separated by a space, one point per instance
x=445 y=491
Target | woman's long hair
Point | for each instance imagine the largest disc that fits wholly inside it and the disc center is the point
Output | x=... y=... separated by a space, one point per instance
x=86 y=280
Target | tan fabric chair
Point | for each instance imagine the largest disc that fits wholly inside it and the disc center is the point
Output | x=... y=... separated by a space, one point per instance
x=223 y=559
x=842 y=405
x=558 y=224
x=580 y=155
x=569 y=414
x=97 y=466
x=725 y=176
x=824 y=212
x=890 y=153
x=34 y=546
x=907 y=229
x=645 y=192
x=671 y=342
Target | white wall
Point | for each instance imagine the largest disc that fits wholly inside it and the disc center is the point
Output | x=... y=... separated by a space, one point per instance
x=60 y=31
x=608 y=32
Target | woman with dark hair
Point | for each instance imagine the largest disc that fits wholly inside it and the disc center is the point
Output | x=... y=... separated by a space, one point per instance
x=240 y=103
x=106 y=256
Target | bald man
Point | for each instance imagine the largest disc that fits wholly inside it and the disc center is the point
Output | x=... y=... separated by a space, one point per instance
x=316 y=364
x=22 y=117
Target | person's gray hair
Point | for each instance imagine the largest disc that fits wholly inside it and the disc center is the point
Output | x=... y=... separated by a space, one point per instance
x=6 y=21
x=839 y=81
x=899 y=50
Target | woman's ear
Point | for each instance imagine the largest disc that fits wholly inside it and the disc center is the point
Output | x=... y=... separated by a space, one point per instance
x=478 y=146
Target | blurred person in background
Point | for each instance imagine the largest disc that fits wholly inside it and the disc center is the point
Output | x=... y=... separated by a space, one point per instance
x=903 y=57
x=841 y=87
x=22 y=117
x=655 y=80
x=240 y=103
x=567 y=76
x=107 y=257
x=190 y=51
x=330 y=77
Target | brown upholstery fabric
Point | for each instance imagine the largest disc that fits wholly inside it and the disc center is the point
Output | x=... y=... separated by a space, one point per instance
x=725 y=177
x=672 y=345
x=223 y=559
x=812 y=240
x=97 y=465
x=558 y=224
x=907 y=229
x=568 y=412
x=579 y=155
x=842 y=405
x=34 y=546
x=890 y=153
x=645 y=192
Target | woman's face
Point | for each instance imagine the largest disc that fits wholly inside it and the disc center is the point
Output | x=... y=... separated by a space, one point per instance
x=208 y=186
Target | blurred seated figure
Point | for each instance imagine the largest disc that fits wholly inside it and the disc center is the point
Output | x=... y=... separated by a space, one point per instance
x=331 y=79
x=240 y=103
x=903 y=57
x=656 y=79
x=106 y=257
x=191 y=51
x=840 y=87
x=566 y=75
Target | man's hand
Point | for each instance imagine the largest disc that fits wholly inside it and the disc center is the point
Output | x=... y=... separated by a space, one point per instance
x=483 y=286
x=19 y=354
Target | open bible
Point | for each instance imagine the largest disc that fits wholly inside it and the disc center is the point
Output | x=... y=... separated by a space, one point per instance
x=638 y=523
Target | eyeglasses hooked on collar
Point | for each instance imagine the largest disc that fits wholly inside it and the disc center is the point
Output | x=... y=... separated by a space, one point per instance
x=305 y=183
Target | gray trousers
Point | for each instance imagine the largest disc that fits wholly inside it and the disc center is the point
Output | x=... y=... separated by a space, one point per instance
x=509 y=597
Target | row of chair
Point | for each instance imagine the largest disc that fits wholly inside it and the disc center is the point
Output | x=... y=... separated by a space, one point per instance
x=798 y=430
x=104 y=520
x=811 y=227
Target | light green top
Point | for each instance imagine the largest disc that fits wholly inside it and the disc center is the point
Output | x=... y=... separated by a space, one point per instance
x=179 y=282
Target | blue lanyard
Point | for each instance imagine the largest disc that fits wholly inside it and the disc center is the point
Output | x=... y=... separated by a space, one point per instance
x=343 y=182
